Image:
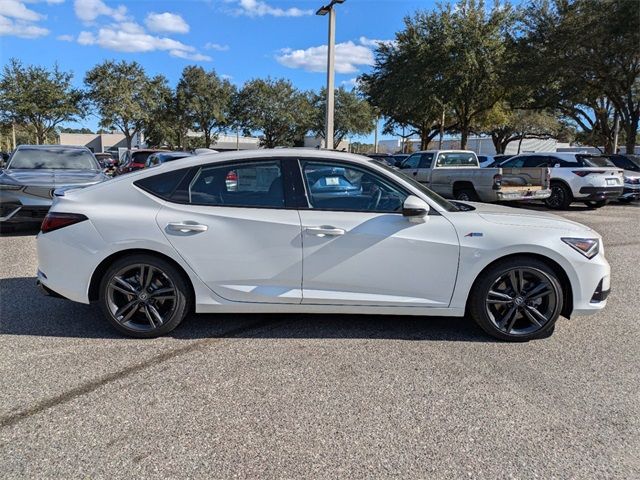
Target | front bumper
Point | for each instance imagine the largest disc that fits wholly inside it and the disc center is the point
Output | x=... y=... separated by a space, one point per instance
x=631 y=191
x=601 y=193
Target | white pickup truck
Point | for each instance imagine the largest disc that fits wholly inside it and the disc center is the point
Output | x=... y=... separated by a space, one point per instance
x=457 y=174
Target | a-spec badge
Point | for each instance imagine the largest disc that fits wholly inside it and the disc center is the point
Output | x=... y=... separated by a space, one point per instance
x=474 y=234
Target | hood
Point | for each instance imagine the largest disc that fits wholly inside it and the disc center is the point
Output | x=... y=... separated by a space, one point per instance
x=520 y=217
x=53 y=178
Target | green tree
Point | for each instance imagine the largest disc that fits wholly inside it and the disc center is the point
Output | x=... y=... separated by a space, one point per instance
x=39 y=98
x=582 y=58
x=505 y=125
x=453 y=60
x=124 y=96
x=207 y=101
x=352 y=114
x=276 y=109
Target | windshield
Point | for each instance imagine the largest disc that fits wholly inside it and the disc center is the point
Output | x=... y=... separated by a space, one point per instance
x=431 y=195
x=596 y=161
x=53 y=159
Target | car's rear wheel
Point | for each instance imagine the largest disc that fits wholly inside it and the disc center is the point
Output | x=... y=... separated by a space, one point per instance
x=519 y=299
x=561 y=197
x=144 y=296
x=466 y=195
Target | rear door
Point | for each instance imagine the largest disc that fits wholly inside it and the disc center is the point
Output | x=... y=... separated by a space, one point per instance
x=232 y=223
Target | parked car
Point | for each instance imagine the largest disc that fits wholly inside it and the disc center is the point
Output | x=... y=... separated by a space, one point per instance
x=630 y=165
x=387 y=158
x=159 y=158
x=107 y=163
x=575 y=177
x=457 y=174
x=134 y=160
x=276 y=243
x=35 y=171
x=4 y=157
x=486 y=160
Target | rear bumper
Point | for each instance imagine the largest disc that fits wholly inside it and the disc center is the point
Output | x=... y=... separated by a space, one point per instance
x=600 y=193
x=523 y=195
x=18 y=213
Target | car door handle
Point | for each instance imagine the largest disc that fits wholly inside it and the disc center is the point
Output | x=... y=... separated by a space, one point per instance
x=186 y=227
x=325 y=231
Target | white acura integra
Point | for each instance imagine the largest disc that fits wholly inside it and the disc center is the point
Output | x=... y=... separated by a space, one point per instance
x=294 y=230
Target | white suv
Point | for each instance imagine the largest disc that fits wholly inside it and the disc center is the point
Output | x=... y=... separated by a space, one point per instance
x=575 y=177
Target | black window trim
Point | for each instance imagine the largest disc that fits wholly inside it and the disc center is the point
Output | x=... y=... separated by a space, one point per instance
x=307 y=204
x=289 y=196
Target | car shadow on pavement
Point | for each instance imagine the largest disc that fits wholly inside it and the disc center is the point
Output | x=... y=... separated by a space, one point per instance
x=24 y=310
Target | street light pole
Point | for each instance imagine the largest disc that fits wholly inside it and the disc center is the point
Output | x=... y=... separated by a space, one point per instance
x=328 y=132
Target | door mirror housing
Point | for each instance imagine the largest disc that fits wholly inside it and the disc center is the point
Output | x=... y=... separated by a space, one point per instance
x=415 y=207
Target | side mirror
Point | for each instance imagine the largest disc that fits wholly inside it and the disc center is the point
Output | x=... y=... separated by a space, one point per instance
x=415 y=207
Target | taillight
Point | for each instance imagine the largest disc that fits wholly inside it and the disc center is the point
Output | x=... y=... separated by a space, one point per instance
x=584 y=173
x=54 y=221
x=497 y=181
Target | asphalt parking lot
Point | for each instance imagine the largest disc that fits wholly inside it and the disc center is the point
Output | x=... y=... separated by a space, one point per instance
x=301 y=396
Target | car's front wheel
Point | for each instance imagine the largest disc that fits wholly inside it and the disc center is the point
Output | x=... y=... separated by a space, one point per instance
x=144 y=296
x=518 y=299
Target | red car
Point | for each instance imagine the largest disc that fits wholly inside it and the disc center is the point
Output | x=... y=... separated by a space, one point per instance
x=135 y=160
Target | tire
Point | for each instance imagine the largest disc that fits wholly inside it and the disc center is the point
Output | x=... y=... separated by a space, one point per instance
x=519 y=314
x=596 y=203
x=466 y=195
x=561 y=197
x=152 y=311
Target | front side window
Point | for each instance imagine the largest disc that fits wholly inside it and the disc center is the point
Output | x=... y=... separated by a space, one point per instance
x=535 y=161
x=336 y=186
x=239 y=185
x=412 y=162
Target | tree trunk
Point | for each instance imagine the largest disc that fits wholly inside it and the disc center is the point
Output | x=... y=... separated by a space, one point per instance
x=464 y=135
x=129 y=138
x=631 y=131
x=520 y=143
x=207 y=138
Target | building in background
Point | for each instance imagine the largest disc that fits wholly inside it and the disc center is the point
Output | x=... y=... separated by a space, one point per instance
x=100 y=142
x=311 y=141
x=480 y=145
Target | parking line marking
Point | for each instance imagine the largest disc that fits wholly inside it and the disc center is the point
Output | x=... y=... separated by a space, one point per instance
x=93 y=385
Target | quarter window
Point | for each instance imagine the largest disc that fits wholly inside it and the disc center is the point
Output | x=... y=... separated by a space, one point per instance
x=335 y=186
x=239 y=185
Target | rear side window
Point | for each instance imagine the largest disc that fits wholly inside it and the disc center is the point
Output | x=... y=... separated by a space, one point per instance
x=535 y=161
x=163 y=185
x=517 y=162
x=240 y=185
x=595 y=161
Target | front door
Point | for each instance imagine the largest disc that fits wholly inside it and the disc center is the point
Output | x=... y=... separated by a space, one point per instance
x=235 y=232
x=360 y=250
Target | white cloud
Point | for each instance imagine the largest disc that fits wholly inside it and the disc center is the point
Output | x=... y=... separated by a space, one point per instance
x=196 y=57
x=65 y=38
x=20 y=28
x=348 y=58
x=166 y=22
x=259 y=8
x=131 y=37
x=89 y=10
x=19 y=11
x=224 y=76
x=371 y=42
x=216 y=46
x=351 y=83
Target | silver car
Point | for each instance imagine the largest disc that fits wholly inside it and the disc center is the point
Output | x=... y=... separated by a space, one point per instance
x=35 y=171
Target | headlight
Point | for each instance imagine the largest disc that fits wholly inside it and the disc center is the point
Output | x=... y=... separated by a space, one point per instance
x=589 y=247
x=627 y=180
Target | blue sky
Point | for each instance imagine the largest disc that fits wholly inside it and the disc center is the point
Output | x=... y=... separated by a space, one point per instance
x=241 y=39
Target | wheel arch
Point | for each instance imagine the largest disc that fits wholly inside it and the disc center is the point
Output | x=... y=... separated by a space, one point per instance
x=102 y=267
x=565 y=282
x=462 y=185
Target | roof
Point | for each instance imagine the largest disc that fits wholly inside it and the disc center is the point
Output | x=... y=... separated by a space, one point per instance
x=51 y=147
